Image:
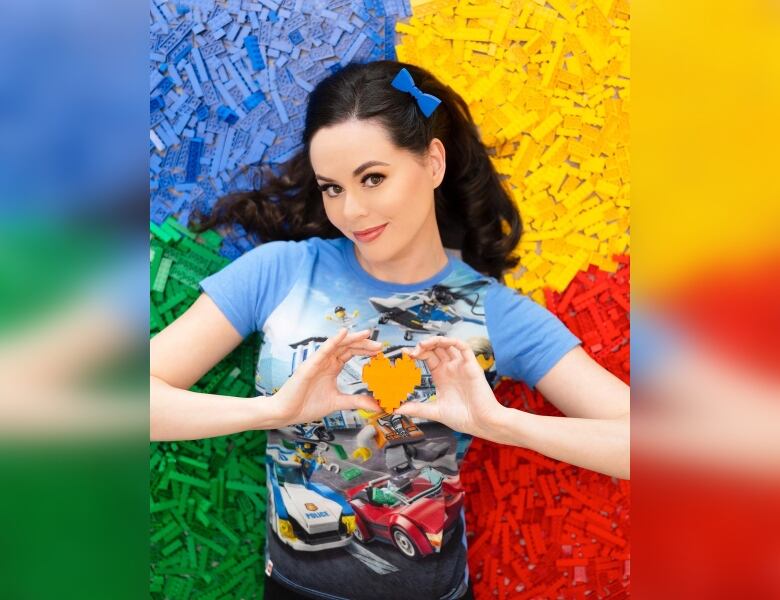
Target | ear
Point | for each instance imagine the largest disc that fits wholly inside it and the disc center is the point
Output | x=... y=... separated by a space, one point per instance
x=438 y=162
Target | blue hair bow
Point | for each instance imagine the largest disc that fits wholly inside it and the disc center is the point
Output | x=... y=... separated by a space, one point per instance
x=404 y=82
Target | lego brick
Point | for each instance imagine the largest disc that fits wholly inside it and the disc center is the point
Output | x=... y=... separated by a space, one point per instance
x=548 y=103
x=545 y=84
x=221 y=53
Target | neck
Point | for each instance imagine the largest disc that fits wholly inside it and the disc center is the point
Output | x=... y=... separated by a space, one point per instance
x=419 y=261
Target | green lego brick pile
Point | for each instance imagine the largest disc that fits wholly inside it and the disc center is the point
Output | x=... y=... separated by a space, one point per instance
x=207 y=497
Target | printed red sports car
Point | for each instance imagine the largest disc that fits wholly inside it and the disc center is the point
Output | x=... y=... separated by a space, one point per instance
x=417 y=512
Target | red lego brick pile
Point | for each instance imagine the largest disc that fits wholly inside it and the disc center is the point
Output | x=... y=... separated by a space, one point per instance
x=595 y=307
x=537 y=527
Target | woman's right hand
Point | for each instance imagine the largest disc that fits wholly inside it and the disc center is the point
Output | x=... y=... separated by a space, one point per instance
x=311 y=392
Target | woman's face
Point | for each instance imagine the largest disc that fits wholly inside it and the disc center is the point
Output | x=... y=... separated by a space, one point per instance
x=367 y=183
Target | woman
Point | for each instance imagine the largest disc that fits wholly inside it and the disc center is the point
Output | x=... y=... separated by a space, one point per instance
x=362 y=231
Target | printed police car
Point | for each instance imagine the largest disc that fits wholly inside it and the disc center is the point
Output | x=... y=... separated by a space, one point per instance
x=304 y=515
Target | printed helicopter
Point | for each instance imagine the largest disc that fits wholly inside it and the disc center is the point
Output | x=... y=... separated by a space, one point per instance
x=430 y=310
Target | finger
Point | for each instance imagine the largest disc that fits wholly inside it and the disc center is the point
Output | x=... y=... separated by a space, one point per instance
x=336 y=343
x=358 y=339
x=344 y=336
x=413 y=353
x=442 y=355
x=431 y=343
x=423 y=410
x=347 y=402
x=470 y=359
x=456 y=355
x=365 y=346
x=357 y=335
x=438 y=341
x=330 y=344
x=457 y=343
x=368 y=344
x=429 y=357
x=437 y=350
x=465 y=351
x=348 y=353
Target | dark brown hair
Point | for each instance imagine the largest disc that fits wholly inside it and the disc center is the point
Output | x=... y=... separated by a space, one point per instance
x=474 y=211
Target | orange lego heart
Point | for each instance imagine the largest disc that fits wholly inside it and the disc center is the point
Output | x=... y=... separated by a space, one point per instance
x=391 y=383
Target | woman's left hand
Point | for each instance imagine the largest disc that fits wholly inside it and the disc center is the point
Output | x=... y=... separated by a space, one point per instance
x=464 y=399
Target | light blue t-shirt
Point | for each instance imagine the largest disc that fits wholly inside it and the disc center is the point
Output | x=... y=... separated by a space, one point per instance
x=526 y=338
x=341 y=486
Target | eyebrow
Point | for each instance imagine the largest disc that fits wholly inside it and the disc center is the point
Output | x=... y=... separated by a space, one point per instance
x=358 y=171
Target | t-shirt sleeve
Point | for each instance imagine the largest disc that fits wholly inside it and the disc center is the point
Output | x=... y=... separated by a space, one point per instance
x=252 y=286
x=527 y=339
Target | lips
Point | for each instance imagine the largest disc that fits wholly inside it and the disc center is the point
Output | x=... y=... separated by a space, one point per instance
x=367 y=235
x=372 y=230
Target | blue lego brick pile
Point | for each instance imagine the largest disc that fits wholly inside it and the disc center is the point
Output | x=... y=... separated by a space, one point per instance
x=228 y=87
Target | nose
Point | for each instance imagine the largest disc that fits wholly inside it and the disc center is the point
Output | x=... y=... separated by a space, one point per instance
x=354 y=208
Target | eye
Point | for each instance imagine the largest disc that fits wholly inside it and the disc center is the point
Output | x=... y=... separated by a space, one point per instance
x=332 y=190
x=326 y=188
x=375 y=178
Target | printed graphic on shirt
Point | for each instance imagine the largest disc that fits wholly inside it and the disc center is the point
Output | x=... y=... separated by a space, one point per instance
x=377 y=496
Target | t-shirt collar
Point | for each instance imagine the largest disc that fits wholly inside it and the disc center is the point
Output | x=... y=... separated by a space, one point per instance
x=348 y=249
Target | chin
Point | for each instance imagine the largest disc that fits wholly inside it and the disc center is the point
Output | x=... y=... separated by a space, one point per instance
x=380 y=250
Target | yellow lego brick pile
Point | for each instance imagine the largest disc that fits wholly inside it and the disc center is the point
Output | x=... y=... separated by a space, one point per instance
x=548 y=86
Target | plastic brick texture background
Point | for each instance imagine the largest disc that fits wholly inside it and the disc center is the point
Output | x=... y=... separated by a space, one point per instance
x=548 y=85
